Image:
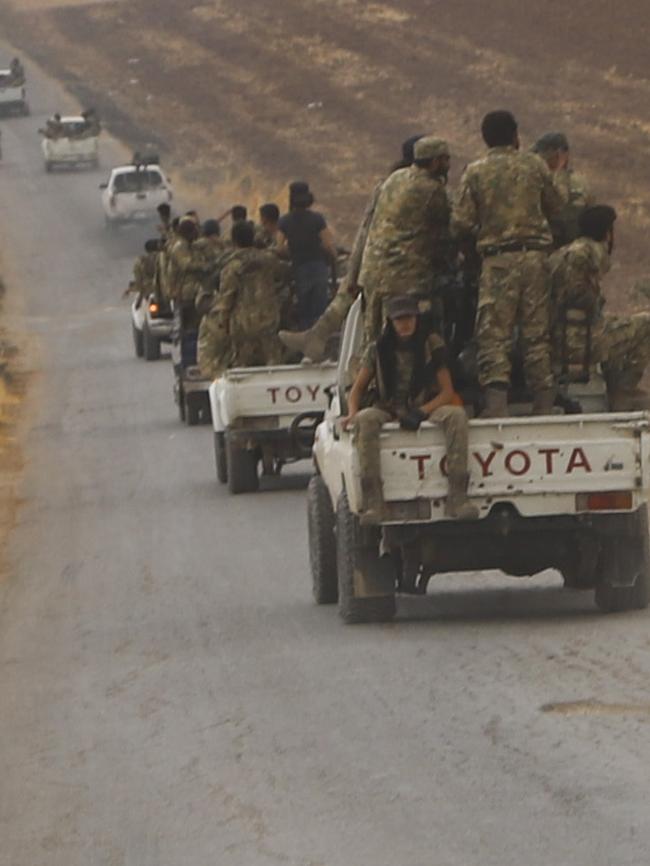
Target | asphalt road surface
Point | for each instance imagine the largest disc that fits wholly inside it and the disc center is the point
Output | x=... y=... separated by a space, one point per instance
x=169 y=696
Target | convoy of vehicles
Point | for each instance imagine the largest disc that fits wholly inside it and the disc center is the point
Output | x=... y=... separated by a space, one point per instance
x=266 y=416
x=133 y=192
x=70 y=149
x=567 y=491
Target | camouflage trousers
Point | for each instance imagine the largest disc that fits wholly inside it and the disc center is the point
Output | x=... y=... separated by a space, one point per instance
x=620 y=343
x=366 y=438
x=514 y=293
x=335 y=315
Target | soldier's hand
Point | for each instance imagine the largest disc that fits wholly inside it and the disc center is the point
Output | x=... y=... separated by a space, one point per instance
x=346 y=422
x=412 y=419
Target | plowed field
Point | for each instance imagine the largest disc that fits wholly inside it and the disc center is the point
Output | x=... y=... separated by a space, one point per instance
x=241 y=98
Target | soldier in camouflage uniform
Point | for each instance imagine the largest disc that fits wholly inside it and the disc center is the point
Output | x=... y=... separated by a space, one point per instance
x=412 y=384
x=241 y=328
x=266 y=233
x=214 y=253
x=185 y=272
x=506 y=199
x=313 y=343
x=144 y=272
x=408 y=241
x=580 y=333
x=553 y=147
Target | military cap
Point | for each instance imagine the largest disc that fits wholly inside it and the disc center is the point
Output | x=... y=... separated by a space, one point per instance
x=551 y=141
x=402 y=306
x=430 y=147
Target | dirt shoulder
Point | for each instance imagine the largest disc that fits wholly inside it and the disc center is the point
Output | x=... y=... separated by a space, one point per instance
x=14 y=381
x=242 y=99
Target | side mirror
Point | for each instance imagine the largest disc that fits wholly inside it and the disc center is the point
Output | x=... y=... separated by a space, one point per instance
x=103 y=186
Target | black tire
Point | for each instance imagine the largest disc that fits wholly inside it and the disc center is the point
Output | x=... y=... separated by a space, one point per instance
x=151 y=344
x=180 y=398
x=631 y=554
x=26 y=109
x=192 y=409
x=357 y=551
x=138 y=341
x=220 y=457
x=322 y=543
x=241 y=469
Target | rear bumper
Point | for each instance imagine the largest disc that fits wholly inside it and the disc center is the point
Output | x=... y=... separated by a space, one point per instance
x=517 y=545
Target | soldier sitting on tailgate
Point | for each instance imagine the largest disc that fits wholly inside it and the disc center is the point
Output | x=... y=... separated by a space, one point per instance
x=580 y=334
x=412 y=384
x=241 y=329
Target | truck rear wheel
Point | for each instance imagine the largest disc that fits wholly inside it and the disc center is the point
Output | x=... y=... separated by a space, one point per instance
x=322 y=542
x=366 y=581
x=193 y=409
x=151 y=344
x=626 y=558
x=138 y=342
x=220 y=457
x=241 y=468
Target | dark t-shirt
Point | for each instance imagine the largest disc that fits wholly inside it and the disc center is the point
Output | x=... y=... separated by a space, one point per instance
x=302 y=230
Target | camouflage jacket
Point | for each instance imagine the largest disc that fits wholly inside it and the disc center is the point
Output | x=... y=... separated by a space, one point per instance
x=185 y=271
x=144 y=274
x=507 y=197
x=408 y=234
x=251 y=294
x=577 y=270
x=577 y=197
x=393 y=389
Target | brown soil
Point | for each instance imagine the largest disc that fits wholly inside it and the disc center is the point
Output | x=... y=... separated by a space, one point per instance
x=243 y=98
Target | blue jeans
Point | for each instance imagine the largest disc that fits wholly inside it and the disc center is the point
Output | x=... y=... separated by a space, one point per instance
x=312 y=292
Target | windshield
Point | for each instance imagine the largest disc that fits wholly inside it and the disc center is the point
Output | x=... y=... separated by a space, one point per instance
x=72 y=127
x=137 y=181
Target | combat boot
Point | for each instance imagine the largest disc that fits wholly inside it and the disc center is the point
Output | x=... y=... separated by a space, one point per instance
x=458 y=505
x=496 y=403
x=544 y=401
x=312 y=343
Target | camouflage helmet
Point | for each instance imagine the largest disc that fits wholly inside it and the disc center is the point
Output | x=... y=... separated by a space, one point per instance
x=430 y=147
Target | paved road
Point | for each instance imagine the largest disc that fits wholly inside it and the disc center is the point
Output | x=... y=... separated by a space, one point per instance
x=168 y=693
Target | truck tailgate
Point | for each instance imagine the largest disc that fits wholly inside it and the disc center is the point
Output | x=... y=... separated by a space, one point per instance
x=285 y=391
x=523 y=458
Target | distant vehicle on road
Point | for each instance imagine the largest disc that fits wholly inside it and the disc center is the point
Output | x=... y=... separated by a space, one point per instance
x=133 y=192
x=152 y=323
x=71 y=147
x=13 y=96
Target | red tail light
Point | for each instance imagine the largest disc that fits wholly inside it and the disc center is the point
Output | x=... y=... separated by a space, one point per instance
x=615 y=501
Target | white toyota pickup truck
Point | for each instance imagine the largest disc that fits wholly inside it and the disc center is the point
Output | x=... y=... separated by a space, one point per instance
x=568 y=492
x=12 y=97
x=69 y=149
x=133 y=192
x=266 y=415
